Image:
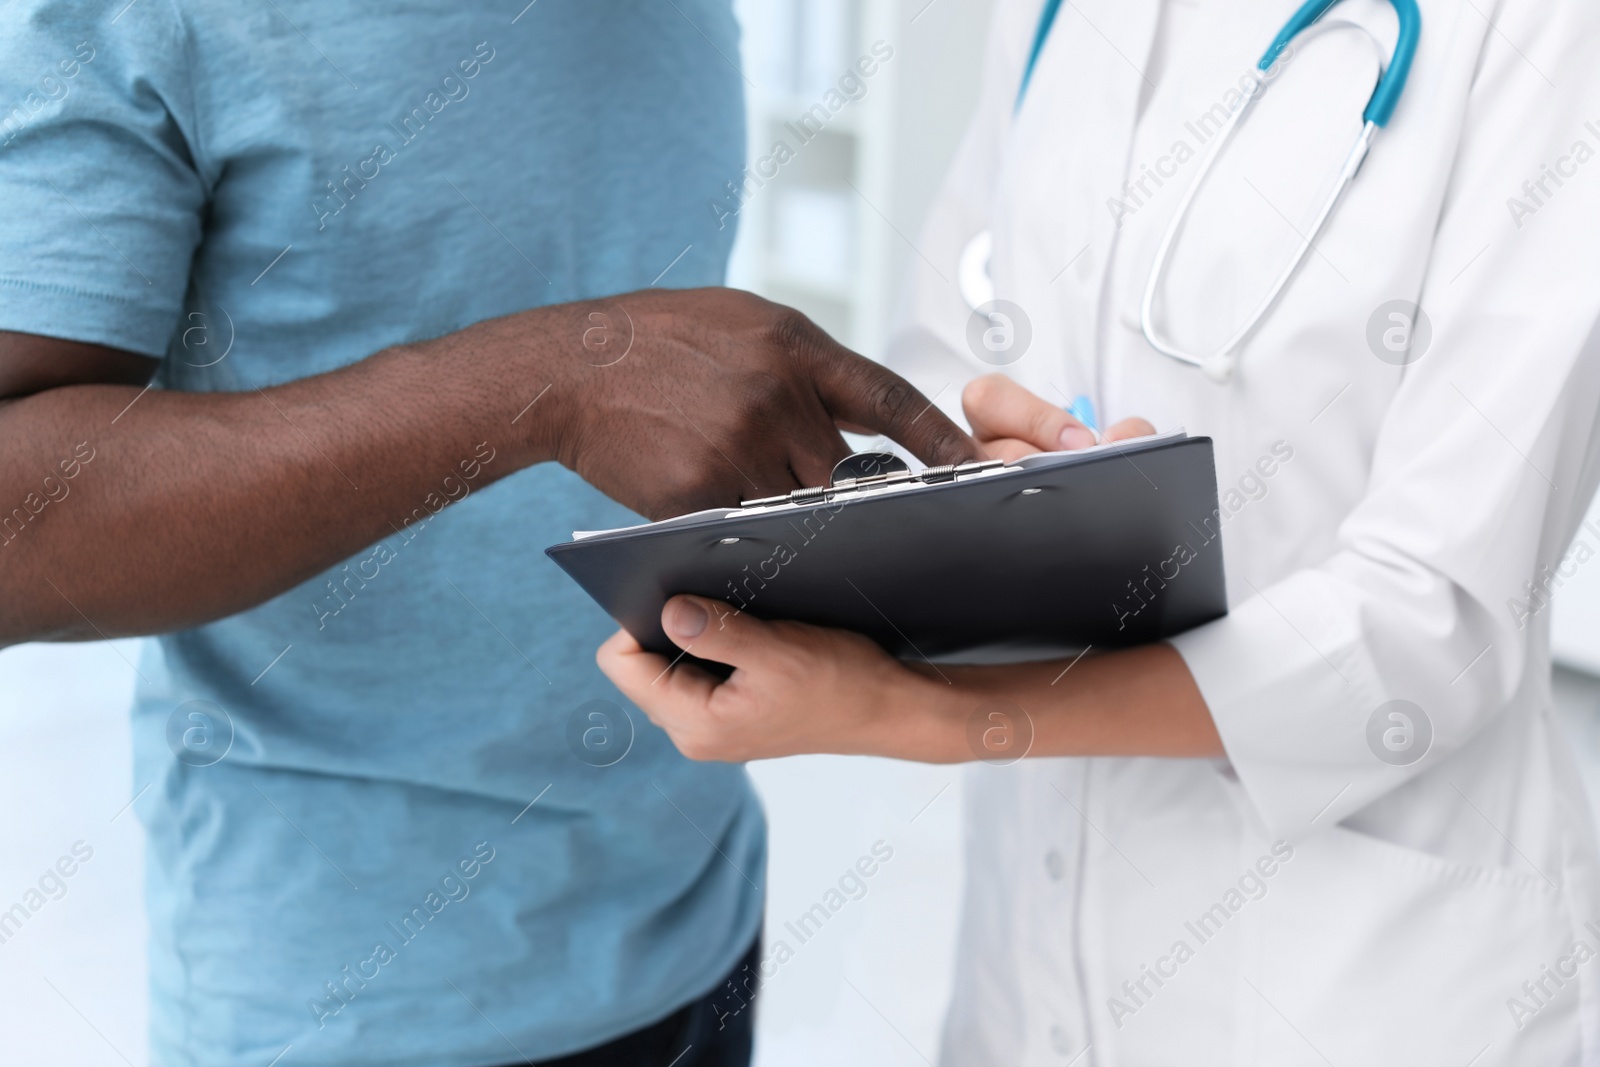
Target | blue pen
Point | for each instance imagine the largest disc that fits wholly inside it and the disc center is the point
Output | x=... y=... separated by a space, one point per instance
x=1082 y=409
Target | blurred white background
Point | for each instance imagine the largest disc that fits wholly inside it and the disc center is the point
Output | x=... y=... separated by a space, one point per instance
x=829 y=234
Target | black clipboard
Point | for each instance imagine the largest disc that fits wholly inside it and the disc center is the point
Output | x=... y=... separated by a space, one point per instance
x=1107 y=547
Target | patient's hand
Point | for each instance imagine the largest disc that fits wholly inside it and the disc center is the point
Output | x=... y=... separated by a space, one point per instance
x=1010 y=422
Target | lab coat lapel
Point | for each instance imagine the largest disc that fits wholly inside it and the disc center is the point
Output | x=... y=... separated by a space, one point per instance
x=1051 y=235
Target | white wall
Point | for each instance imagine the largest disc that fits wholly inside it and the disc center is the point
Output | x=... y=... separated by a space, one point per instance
x=72 y=981
x=832 y=231
x=1575 y=609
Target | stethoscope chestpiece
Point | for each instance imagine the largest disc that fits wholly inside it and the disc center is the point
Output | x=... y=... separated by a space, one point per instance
x=972 y=272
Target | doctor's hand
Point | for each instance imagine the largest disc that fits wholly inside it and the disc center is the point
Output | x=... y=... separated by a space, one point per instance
x=670 y=401
x=795 y=689
x=1010 y=422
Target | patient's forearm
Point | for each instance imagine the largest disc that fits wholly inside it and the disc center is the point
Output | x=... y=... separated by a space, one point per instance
x=127 y=513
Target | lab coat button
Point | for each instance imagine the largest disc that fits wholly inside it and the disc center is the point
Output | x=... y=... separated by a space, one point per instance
x=1061 y=1041
x=1054 y=865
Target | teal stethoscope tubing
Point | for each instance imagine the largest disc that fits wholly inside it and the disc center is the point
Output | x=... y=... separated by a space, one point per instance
x=1219 y=364
x=1382 y=103
x=1384 y=97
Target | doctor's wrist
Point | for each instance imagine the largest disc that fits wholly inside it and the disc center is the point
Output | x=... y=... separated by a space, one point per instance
x=919 y=715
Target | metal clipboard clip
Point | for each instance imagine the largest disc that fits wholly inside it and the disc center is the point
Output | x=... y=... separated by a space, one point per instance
x=863 y=472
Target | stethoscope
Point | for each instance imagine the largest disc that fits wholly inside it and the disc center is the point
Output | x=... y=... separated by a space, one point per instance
x=977 y=286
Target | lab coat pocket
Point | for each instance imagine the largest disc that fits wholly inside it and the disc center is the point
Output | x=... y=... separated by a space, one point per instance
x=1371 y=953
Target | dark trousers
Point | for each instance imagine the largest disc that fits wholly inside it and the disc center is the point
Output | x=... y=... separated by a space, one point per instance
x=714 y=1031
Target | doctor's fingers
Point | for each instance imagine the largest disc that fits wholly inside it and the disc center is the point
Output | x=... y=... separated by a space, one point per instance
x=998 y=408
x=709 y=719
x=643 y=677
x=714 y=630
x=1134 y=427
x=1009 y=449
x=865 y=396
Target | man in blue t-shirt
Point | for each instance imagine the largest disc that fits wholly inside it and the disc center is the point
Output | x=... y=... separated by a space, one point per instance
x=310 y=342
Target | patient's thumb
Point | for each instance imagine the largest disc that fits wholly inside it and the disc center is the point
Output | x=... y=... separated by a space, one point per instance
x=714 y=629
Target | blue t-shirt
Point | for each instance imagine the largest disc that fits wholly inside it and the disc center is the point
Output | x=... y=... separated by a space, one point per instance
x=257 y=192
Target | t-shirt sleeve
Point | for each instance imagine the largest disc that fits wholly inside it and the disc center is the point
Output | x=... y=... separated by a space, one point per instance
x=103 y=200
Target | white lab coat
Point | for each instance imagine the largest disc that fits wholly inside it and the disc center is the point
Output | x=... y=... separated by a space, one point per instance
x=1380 y=525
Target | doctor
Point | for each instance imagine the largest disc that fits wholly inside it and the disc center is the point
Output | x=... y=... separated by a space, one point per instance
x=1337 y=826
